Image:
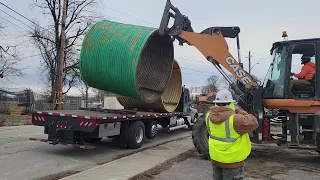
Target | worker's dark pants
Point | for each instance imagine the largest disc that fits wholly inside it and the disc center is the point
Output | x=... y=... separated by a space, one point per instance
x=228 y=174
x=299 y=82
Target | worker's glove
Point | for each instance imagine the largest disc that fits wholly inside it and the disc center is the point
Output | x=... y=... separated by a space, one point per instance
x=238 y=110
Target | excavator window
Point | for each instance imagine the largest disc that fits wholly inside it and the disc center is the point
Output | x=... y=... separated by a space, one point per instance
x=275 y=85
x=303 y=87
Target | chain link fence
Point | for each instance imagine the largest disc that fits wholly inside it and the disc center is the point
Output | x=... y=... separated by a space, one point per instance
x=23 y=101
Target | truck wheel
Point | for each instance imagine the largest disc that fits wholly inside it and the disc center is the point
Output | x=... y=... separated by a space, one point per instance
x=136 y=135
x=200 y=137
x=151 y=129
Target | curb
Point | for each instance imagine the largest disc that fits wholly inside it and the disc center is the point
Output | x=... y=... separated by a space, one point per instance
x=135 y=164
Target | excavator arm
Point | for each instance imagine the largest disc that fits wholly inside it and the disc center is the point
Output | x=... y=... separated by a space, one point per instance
x=215 y=49
x=212 y=44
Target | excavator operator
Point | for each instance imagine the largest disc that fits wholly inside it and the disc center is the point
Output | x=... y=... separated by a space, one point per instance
x=307 y=72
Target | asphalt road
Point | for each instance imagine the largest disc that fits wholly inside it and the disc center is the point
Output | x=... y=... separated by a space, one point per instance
x=29 y=160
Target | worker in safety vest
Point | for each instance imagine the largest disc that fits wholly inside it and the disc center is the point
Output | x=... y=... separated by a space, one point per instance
x=307 y=73
x=229 y=142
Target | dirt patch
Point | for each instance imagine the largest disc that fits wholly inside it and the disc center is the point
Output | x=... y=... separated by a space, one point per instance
x=268 y=161
x=149 y=174
x=59 y=175
x=264 y=162
x=8 y=120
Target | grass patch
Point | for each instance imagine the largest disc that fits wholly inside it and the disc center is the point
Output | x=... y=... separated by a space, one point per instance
x=9 y=120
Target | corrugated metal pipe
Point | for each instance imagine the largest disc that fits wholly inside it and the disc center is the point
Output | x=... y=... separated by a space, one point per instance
x=169 y=99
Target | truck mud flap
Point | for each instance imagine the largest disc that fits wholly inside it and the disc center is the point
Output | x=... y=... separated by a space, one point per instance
x=54 y=143
x=64 y=136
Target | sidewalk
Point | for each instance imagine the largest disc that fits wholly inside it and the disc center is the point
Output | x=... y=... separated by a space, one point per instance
x=135 y=164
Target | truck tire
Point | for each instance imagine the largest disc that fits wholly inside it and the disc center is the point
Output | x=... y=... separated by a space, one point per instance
x=151 y=129
x=135 y=135
x=200 y=136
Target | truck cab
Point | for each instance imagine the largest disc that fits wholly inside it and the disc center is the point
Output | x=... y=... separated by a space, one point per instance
x=185 y=105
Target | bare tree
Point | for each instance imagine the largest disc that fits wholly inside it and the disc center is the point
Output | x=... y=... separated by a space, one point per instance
x=211 y=85
x=84 y=90
x=9 y=62
x=98 y=94
x=48 y=40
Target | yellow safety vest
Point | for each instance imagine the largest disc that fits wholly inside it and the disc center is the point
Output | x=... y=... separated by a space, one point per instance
x=225 y=144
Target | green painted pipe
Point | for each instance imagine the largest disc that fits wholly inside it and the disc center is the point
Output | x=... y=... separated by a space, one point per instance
x=129 y=60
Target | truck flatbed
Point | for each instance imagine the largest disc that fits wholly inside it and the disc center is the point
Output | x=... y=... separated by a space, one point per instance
x=104 y=114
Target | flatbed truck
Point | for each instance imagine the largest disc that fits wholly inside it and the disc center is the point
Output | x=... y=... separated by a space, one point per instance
x=127 y=127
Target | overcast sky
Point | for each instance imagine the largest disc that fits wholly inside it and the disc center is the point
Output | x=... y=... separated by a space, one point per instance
x=261 y=24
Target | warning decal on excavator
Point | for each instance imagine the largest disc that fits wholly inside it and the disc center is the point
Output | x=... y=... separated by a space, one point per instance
x=237 y=69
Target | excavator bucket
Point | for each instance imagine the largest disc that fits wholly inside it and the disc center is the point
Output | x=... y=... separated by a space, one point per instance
x=227 y=32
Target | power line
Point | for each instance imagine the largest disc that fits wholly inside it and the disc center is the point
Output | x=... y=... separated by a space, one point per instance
x=13 y=23
x=25 y=57
x=127 y=14
x=15 y=18
x=20 y=15
x=203 y=71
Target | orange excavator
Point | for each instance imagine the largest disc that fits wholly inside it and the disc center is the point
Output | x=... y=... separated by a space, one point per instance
x=208 y=97
x=204 y=101
x=298 y=108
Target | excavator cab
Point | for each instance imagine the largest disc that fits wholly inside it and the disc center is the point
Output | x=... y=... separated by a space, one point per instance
x=297 y=100
x=287 y=59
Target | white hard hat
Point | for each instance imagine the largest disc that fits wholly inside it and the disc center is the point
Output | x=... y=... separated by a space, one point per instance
x=224 y=96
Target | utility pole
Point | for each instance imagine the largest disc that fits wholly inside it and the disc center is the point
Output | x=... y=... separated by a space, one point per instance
x=61 y=55
x=249 y=58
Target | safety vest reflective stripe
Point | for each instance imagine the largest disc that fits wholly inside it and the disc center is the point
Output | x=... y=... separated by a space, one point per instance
x=310 y=73
x=227 y=128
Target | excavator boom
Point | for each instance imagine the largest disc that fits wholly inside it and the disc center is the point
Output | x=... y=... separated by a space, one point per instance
x=215 y=49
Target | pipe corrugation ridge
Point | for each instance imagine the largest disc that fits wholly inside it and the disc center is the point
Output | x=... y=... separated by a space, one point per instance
x=169 y=99
x=125 y=59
